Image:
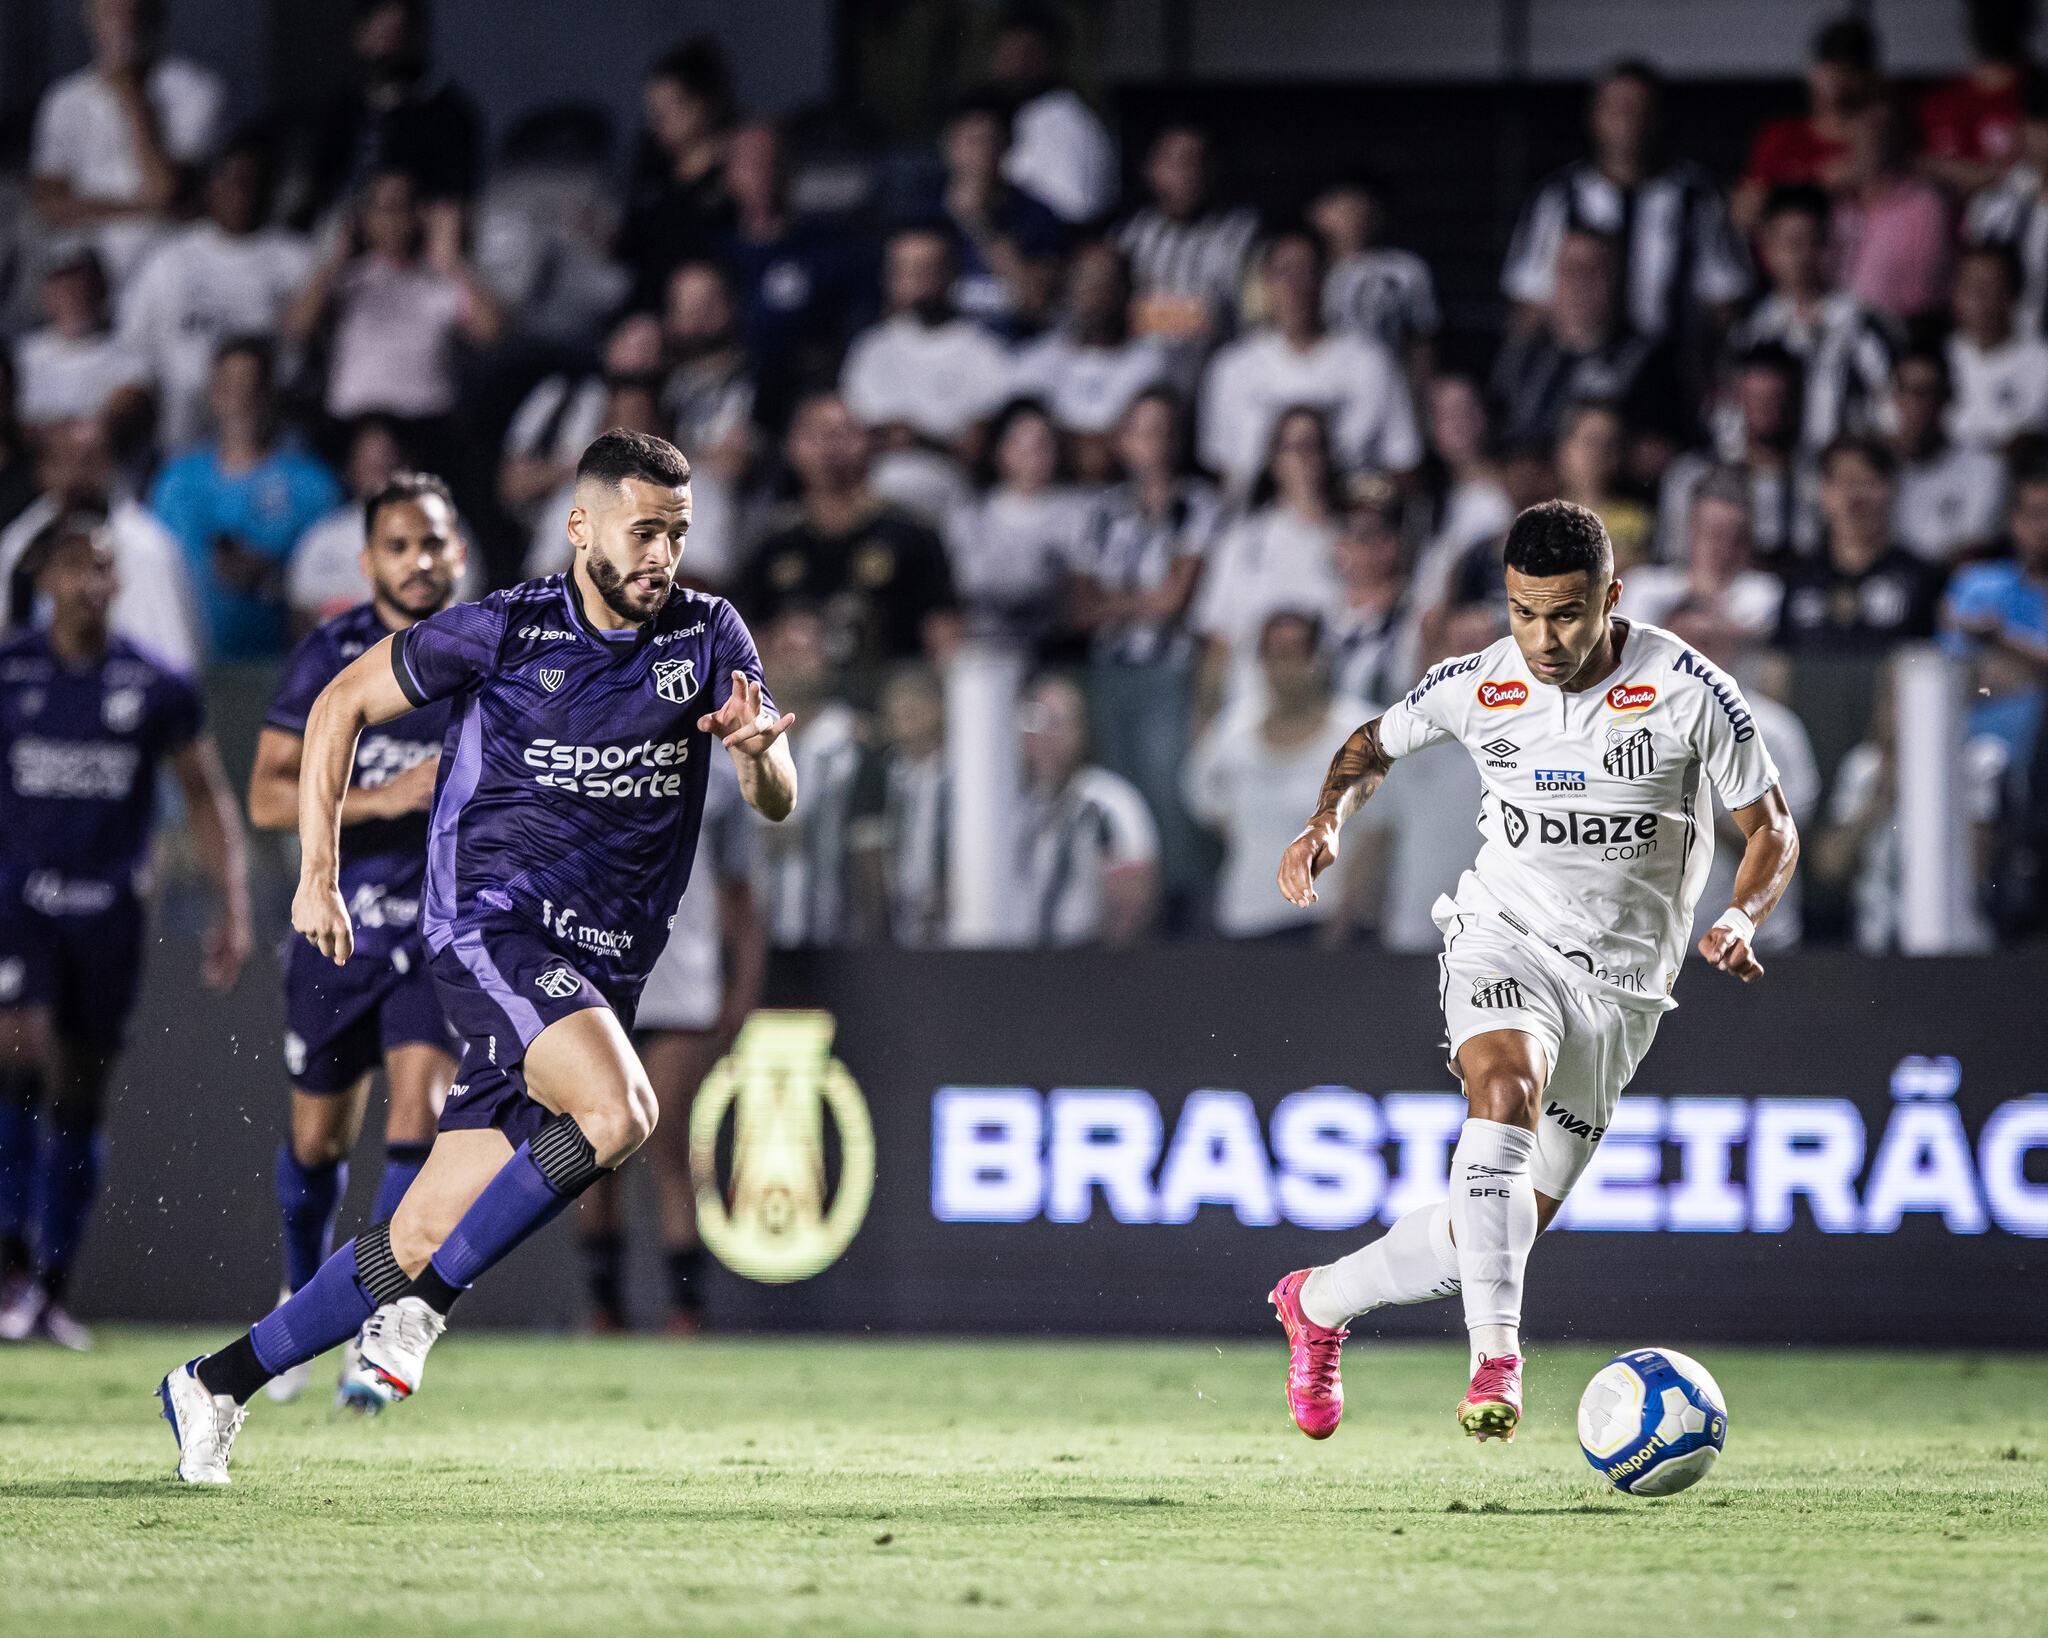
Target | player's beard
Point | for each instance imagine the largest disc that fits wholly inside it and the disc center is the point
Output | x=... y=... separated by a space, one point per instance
x=417 y=596
x=617 y=591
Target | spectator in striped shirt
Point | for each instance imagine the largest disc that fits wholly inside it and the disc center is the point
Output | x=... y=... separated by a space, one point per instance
x=1090 y=849
x=2014 y=210
x=1680 y=262
x=1844 y=348
x=1188 y=255
x=1372 y=289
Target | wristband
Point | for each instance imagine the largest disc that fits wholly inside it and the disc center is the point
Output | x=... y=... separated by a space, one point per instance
x=1738 y=922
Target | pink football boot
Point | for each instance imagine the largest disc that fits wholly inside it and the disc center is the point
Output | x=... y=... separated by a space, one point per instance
x=1315 y=1391
x=1492 y=1406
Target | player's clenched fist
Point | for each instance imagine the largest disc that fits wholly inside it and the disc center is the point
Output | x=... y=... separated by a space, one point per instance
x=1729 y=950
x=319 y=914
x=1306 y=858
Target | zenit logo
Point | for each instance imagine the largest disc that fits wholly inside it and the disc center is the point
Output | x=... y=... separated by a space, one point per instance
x=1624 y=697
x=1503 y=696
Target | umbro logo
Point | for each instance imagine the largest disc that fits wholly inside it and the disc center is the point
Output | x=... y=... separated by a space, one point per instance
x=557 y=983
x=1497 y=993
x=552 y=677
x=1500 y=751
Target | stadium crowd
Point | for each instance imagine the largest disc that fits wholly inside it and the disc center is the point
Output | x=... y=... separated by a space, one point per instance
x=1219 y=470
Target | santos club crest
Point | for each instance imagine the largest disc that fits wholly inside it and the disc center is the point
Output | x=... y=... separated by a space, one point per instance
x=789 y=1194
x=675 y=680
x=1631 y=753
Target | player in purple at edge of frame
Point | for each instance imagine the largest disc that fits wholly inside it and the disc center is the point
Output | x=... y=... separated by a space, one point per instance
x=564 y=823
x=1562 y=942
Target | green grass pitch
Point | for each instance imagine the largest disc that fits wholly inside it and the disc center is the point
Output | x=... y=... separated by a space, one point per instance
x=763 y=1487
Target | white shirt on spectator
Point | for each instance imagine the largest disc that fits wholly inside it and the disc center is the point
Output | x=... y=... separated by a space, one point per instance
x=82 y=137
x=1474 y=510
x=1353 y=381
x=394 y=341
x=154 y=607
x=1087 y=389
x=1010 y=551
x=1271 y=560
x=61 y=378
x=1999 y=392
x=1254 y=796
x=1952 y=500
x=937 y=379
x=1654 y=592
x=1384 y=294
x=1062 y=153
x=198 y=288
x=1429 y=848
x=1074 y=841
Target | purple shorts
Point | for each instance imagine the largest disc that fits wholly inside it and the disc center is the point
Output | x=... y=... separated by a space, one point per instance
x=502 y=981
x=341 y=1021
x=84 y=965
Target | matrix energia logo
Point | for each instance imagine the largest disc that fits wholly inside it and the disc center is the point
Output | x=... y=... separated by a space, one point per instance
x=770 y=1211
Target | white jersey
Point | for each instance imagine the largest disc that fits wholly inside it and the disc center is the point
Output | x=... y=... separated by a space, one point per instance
x=1597 y=829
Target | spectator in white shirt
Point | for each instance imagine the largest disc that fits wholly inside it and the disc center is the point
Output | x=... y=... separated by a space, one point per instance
x=1090 y=849
x=1461 y=486
x=1372 y=289
x=1760 y=437
x=2000 y=372
x=1277 y=556
x=401 y=297
x=155 y=606
x=1251 y=776
x=112 y=139
x=563 y=412
x=923 y=373
x=1012 y=544
x=226 y=275
x=1059 y=151
x=75 y=367
x=1091 y=369
x=1189 y=256
x=1293 y=360
x=1951 y=497
x=1714 y=597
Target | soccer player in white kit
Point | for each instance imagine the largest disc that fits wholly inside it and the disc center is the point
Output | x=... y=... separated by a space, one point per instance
x=1595 y=739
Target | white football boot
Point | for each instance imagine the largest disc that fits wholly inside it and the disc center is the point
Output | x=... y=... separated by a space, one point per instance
x=205 y=1425
x=55 y=1324
x=20 y=1309
x=286 y=1386
x=358 y=1389
x=393 y=1345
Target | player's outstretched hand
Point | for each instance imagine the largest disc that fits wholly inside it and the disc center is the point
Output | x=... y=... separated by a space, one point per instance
x=741 y=724
x=1306 y=858
x=1730 y=951
x=319 y=913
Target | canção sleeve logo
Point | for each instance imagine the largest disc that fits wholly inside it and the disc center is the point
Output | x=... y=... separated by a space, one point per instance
x=771 y=1220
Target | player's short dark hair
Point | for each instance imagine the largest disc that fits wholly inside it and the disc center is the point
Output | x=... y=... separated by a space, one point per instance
x=1556 y=537
x=619 y=454
x=73 y=523
x=1847 y=42
x=1797 y=199
x=1872 y=451
x=402 y=487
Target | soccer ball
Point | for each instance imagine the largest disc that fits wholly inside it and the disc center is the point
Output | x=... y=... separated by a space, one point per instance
x=1652 y=1422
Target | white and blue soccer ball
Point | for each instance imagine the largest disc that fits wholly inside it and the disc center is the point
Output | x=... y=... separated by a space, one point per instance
x=1652 y=1421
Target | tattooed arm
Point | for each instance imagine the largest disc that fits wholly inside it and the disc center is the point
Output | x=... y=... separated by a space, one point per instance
x=1355 y=773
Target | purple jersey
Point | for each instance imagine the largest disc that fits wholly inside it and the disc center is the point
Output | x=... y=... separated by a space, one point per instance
x=572 y=781
x=382 y=860
x=79 y=751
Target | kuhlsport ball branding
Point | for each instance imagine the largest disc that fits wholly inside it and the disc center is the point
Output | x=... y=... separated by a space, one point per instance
x=1652 y=1422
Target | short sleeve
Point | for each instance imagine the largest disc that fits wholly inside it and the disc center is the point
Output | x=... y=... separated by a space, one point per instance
x=181 y=712
x=449 y=651
x=1729 y=743
x=1420 y=718
x=305 y=674
x=732 y=649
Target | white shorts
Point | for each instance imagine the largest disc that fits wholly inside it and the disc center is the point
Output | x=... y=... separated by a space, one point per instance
x=1494 y=978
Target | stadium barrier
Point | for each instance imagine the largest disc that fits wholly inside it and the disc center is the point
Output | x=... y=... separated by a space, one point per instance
x=1852 y=1150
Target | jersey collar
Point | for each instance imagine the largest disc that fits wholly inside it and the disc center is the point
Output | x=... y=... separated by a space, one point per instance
x=572 y=598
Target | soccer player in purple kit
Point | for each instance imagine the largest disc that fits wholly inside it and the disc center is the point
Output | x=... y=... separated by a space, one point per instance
x=564 y=823
x=380 y=1007
x=87 y=722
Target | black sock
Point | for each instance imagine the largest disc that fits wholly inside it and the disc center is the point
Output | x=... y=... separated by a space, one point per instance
x=433 y=1290
x=686 y=1278
x=604 y=1271
x=234 y=1370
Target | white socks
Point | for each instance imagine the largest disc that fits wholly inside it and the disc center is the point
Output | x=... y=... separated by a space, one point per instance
x=1493 y=1215
x=1414 y=1261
